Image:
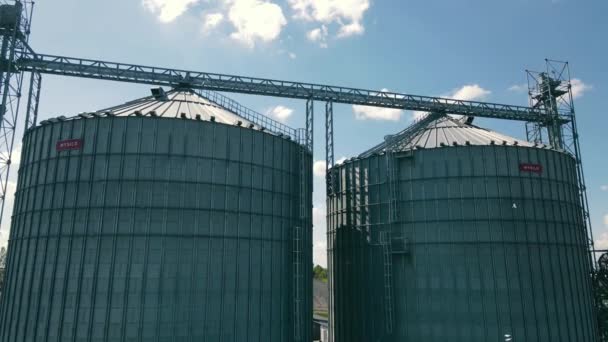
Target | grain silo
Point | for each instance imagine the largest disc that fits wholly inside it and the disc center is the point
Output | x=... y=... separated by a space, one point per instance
x=451 y=232
x=168 y=218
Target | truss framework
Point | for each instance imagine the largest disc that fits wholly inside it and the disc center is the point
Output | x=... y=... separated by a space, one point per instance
x=87 y=68
x=15 y=26
x=550 y=91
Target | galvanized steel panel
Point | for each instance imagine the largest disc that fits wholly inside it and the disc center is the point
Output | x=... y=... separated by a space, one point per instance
x=156 y=229
x=492 y=250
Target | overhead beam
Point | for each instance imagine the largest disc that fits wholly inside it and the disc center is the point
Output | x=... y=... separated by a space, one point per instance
x=87 y=68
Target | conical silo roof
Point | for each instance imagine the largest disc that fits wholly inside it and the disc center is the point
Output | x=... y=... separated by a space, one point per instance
x=178 y=103
x=438 y=130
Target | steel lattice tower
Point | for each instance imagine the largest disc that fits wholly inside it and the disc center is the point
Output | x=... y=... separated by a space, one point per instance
x=15 y=24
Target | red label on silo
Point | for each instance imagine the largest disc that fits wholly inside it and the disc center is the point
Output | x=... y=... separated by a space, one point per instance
x=536 y=168
x=67 y=145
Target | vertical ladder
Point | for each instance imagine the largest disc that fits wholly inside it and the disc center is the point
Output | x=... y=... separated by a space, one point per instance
x=387 y=253
x=297 y=284
x=297 y=252
x=386 y=240
x=304 y=226
x=391 y=173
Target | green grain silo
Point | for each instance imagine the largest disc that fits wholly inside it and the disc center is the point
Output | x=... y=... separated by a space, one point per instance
x=451 y=232
x=168 y=218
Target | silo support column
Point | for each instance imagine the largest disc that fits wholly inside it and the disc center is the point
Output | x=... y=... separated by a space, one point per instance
x=31 y=117
x=329 y=144
x=310 y=114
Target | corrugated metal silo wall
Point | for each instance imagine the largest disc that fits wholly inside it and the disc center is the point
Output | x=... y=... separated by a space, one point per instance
x=156 y=230
x=493 y=250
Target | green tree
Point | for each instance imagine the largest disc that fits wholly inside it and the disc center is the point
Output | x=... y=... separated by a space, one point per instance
x=319 y=273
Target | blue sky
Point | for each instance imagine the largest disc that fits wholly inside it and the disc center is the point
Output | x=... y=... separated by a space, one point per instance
x=473 y=49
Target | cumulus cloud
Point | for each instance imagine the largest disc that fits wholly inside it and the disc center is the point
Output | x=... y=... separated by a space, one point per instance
x=318 y=35
x=579 y=88
x=318 y=168
x=470 y=92
x=348 y=14
x=604 y=187
x=168 y=10
x=15 y=159
x=211 y=21
x=351 y=30
x=280 y=113
x=377 y=113
x=601 y=242
x=255 y=20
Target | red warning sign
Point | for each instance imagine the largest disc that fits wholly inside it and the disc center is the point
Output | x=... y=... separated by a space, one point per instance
x=535 y=168
x=68 y=145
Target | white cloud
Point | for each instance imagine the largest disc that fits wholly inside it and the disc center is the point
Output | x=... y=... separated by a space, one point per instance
x=280 y=113
x=601 y=242
x=606 y=220
x=470 y=92
x=211 y=21
x=579 y=88
x=15 y=159
x=604 y=187
x=292 y=55
x=377 y=113
x=255 y=20
x=318 y=35
x=318 y=168
x=348 y=14
x=168 y=10
x=518 y=88
x=351 y=30
x=341 y=160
